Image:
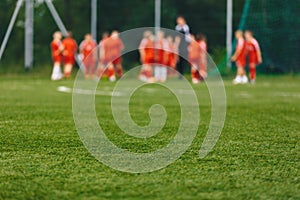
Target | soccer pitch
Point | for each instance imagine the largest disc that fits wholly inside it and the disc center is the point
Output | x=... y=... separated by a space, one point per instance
x=256 y=157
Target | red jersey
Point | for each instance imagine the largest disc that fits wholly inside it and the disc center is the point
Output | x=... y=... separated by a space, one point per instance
x=241 y=58
x=160 y=47
x=148 y=47
x=86 y=48
x=70 y=48
x=171 y=56
x=113 y=49
x=252 y=50
x=203 y=55
x=194 y=50
x=56 y=47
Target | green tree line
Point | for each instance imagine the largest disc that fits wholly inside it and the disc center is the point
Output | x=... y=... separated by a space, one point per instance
x=206 y=16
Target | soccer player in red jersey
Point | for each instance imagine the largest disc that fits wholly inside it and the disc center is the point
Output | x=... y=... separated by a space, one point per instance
x=194 y=56
x=253 y=53
x=147 y=55
x=239 y=57
x=161 y=45
x=69 y=53
x=101 y=72
x=201 y=39
x=172 y=55
x=87 y=49
x=110 y=52
x=56 y=52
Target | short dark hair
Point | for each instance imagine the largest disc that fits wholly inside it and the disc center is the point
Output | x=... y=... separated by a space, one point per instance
x=250 y=32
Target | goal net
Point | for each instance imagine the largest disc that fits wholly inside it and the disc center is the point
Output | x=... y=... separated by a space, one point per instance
x=276 y=25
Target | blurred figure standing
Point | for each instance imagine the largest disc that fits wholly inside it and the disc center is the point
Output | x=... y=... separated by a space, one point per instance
x=184 y=39
x=253 y=54
x=147 y=56
x=89 y=55
x=101 y=72
x=194 y=56
x=69 y=53
x=239 y=57
x=172 y=57
x=56 y=52
x=160 y=69
x=201 y=39
x=110 y=53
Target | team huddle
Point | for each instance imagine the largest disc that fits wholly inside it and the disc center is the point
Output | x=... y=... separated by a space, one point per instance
x=157 y=54
x=94 y=64
x=160 y=55
x=247 y=49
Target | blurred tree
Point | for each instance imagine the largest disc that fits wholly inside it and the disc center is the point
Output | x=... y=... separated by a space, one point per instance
x=207 y=16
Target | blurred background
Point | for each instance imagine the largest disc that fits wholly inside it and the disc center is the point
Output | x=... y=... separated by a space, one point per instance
x=275 y=23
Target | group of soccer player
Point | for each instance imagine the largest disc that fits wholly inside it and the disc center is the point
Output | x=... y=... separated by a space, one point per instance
x=156 y=53
x=160 y=55
x=247 y=49
x=108 y=59
x=63 y=51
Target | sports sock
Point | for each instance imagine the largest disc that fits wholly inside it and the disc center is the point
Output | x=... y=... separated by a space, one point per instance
x=252 y=73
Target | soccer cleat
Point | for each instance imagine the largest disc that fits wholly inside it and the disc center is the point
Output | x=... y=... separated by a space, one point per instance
x=237 y=80
x=195 y=81
x=112 y=78
x=143 y=78
x=244 y=80
x=252 y=81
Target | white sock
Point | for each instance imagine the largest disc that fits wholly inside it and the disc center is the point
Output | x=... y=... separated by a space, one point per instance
x=157 y=73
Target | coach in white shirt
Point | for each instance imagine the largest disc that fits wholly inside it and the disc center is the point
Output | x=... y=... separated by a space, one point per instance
x=184 y=39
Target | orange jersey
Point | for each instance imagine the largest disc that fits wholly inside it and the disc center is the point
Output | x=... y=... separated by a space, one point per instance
x=171 y=56
x=87 y=47
x=56 y=53
x=241 y=58
x=252 y=50
x=112 y=48
x=89 y=55
x=194 y=50
x=160 y=47
x=148 y=47
x=70 y=48
x=203 y=55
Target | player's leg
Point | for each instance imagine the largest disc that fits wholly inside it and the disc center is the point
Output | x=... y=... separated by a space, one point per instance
x=68 y=65
x=100 y=71
x=68 y=70
x=148 y=73
x=244 y=76
x=252 y=72
x=180 y=67
x=56 y=72
x=157 y=72
x=241 y=77
x=111 y=72
x=142 y=75
x=163 y=74
x=86 y=71
x=194 y=73
x=119 y=68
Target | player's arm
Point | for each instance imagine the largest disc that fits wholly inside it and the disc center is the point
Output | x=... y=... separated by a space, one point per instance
x=258 y=52
x=142 y=50
x=121 y=45
x=102 y=51
x=75 y=47
x=142 y=54
x=57 y=51
x=237 y=52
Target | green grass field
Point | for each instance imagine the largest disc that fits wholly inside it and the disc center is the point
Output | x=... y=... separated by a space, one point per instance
x=256 y=157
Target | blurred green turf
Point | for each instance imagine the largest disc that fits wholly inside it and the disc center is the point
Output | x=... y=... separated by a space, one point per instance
x=256 y=157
